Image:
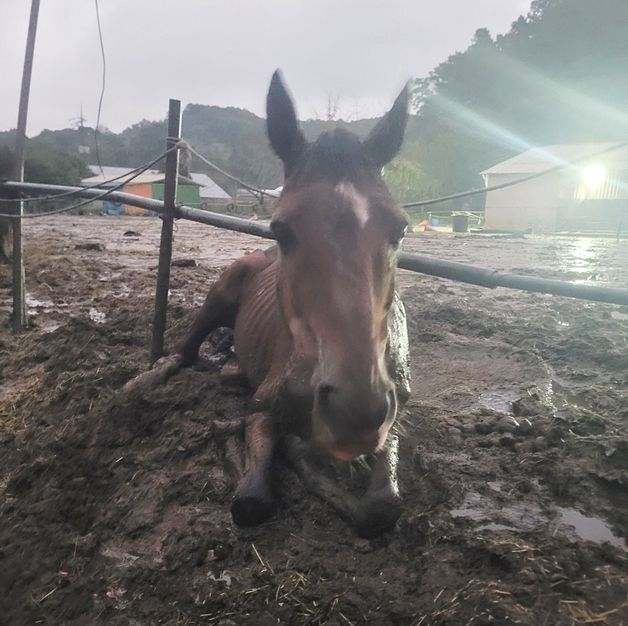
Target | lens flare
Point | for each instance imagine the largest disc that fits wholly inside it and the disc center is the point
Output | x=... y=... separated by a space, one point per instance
x=593 y=175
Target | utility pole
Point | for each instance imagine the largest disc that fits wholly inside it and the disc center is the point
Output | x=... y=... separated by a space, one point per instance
x=19 y=296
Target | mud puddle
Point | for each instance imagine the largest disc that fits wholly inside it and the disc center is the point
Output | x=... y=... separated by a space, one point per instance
x=489 y=514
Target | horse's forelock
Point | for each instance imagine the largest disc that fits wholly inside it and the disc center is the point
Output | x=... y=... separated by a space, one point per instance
x=336 y=156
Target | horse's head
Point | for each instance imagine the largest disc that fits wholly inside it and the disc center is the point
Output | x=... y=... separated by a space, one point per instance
x=339 y=232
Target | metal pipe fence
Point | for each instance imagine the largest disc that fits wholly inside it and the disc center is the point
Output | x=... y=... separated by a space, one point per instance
x=423 y=264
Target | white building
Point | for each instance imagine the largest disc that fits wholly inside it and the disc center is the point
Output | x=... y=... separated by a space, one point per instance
x=591 y=195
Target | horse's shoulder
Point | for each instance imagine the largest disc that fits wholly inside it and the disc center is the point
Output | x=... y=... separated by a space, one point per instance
x=251 y=263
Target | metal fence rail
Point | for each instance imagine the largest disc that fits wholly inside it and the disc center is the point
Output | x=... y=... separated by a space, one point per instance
x=424 y=264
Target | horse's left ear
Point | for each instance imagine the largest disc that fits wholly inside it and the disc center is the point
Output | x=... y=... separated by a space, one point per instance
x=384 y=141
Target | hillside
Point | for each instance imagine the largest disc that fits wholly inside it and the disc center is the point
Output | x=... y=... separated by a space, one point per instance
x=234 y=139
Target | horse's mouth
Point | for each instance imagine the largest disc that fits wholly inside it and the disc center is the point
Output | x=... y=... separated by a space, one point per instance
x=347 y=451
x=342 y=455
x=346 y=455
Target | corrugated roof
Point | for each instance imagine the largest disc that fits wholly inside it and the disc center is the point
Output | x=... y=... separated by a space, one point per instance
x=209 y=189
x=110 y=172
x=542 y=158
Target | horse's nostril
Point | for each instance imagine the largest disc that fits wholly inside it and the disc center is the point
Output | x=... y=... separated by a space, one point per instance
x=380 y=413
x=324 y=392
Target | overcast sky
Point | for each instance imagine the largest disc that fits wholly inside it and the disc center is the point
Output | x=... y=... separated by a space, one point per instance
x=223 y=52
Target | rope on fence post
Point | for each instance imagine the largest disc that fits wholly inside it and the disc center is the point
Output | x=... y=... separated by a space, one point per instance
x=165 y=245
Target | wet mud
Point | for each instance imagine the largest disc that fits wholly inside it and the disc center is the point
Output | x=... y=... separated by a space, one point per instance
x=513 y=468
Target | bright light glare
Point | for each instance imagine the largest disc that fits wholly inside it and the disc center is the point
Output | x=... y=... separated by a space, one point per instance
x=593 y=175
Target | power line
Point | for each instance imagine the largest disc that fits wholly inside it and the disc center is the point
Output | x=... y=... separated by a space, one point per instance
x=95 y=186
x=463 y=194
x=417 y=203
x=185 y=145
x=143 y=168
x=102 y=89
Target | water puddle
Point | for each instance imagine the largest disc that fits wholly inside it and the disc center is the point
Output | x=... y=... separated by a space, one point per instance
x=523 y=516
x=588 y=528
x=498 y=400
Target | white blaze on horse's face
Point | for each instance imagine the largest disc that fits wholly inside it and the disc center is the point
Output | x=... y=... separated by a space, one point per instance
x=356 y=200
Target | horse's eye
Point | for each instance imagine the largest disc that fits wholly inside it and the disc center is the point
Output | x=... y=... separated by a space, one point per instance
x=397 y=238
x=284 y=235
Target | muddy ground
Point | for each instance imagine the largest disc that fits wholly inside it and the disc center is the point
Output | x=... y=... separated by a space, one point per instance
x=514 y=463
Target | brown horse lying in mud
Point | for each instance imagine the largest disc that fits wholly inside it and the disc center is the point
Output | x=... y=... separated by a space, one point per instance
x=319 y=332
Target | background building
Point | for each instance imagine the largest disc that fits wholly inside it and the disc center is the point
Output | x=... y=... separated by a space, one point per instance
x=590 y=196
x=196 y=191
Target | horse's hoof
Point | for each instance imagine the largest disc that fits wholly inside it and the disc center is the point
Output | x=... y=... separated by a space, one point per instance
x=377 y=515
x=251 y=510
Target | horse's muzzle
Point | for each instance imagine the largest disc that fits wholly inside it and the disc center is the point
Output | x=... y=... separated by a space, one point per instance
x=348 y=429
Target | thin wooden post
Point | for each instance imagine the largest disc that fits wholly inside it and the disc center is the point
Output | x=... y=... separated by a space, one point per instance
x=165 y=245
x=19 y=291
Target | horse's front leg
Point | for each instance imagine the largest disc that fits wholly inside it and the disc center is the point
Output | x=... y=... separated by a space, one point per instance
x=253 y=501
x=380 y=507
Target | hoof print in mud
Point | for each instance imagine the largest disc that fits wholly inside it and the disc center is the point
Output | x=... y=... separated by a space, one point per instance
x=249 y=511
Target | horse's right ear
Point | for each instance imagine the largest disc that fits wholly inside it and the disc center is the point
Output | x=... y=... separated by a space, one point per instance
x=286 y=138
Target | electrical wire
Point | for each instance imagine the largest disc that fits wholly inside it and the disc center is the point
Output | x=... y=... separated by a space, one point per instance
x=55 y=196
x=185 y=145
x=102 y=89
x=417 y=203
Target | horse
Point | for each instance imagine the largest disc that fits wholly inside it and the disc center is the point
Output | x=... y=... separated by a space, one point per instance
x=319 y=332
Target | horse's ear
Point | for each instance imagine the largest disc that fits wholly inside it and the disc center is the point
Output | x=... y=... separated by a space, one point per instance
x=286 y=138
x=384 y=141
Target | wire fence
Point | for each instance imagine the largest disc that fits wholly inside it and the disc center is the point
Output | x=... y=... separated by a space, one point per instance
x=184 y=145
x=420 y=203
x=262 y=192
x=127 y=176
x=49 y=198
x=424 y=264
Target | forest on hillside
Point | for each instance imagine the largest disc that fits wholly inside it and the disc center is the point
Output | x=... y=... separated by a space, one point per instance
x=557 y=76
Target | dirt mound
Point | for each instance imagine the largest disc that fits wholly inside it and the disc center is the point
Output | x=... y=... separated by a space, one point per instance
x=514 y=465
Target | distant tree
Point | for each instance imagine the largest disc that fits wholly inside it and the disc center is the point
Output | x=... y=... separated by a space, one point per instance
x=42 y=165
x=407 y=180
x=46 y=165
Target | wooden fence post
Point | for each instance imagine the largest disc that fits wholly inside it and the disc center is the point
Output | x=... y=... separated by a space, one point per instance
x=165 y=246
x=19 y=290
